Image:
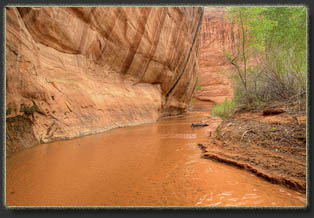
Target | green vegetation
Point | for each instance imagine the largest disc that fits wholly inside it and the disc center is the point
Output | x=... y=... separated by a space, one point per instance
x=28 y=110
x=192 y=100
x=223 y=110
x=197 y=86
x=8 y=111
x=16 y=118
x=276 y=38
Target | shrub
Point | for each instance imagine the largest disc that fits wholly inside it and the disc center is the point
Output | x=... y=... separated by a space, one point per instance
x=280 y=71
x=223 y=110
x=28 y=110
x=8 y=111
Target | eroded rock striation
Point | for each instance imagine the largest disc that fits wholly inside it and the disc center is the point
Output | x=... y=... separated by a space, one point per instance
x=82 y=70
x=218 y=35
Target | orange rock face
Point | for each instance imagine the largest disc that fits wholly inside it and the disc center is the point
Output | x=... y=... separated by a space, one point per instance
x=77 y=71
x=218 y=35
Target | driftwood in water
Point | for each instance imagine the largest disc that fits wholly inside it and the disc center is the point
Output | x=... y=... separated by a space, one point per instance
x=199 y=124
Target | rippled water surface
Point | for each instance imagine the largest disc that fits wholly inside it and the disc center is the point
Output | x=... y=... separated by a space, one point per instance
x=156 y=164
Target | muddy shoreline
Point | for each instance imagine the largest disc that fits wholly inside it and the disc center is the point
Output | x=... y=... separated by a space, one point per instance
x=271 y=147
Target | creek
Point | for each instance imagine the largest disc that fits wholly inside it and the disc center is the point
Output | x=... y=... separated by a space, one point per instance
x=157 y=164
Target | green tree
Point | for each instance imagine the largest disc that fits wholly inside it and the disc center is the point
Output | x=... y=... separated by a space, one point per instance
x=278 y=36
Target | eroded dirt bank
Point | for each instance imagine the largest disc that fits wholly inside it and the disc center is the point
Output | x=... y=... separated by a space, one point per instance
x=82 y=70
x=272 y=147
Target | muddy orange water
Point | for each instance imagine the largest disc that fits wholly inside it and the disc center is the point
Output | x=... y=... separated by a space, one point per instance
x=156 y=164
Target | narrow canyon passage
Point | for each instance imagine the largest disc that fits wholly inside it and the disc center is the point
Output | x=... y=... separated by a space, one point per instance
x=156 y=164
x=104 y=78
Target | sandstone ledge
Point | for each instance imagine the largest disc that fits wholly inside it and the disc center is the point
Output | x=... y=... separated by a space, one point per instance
x=105 y=67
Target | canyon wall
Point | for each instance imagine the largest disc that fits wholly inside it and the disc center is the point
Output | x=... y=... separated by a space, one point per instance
x=76 y=71
x=218 y=35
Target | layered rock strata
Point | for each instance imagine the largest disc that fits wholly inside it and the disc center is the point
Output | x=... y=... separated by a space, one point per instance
x=218 y=35
x=82 y=70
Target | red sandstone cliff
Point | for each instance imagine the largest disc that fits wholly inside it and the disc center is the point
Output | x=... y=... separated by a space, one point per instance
x=76 y=71
x=217 y=35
